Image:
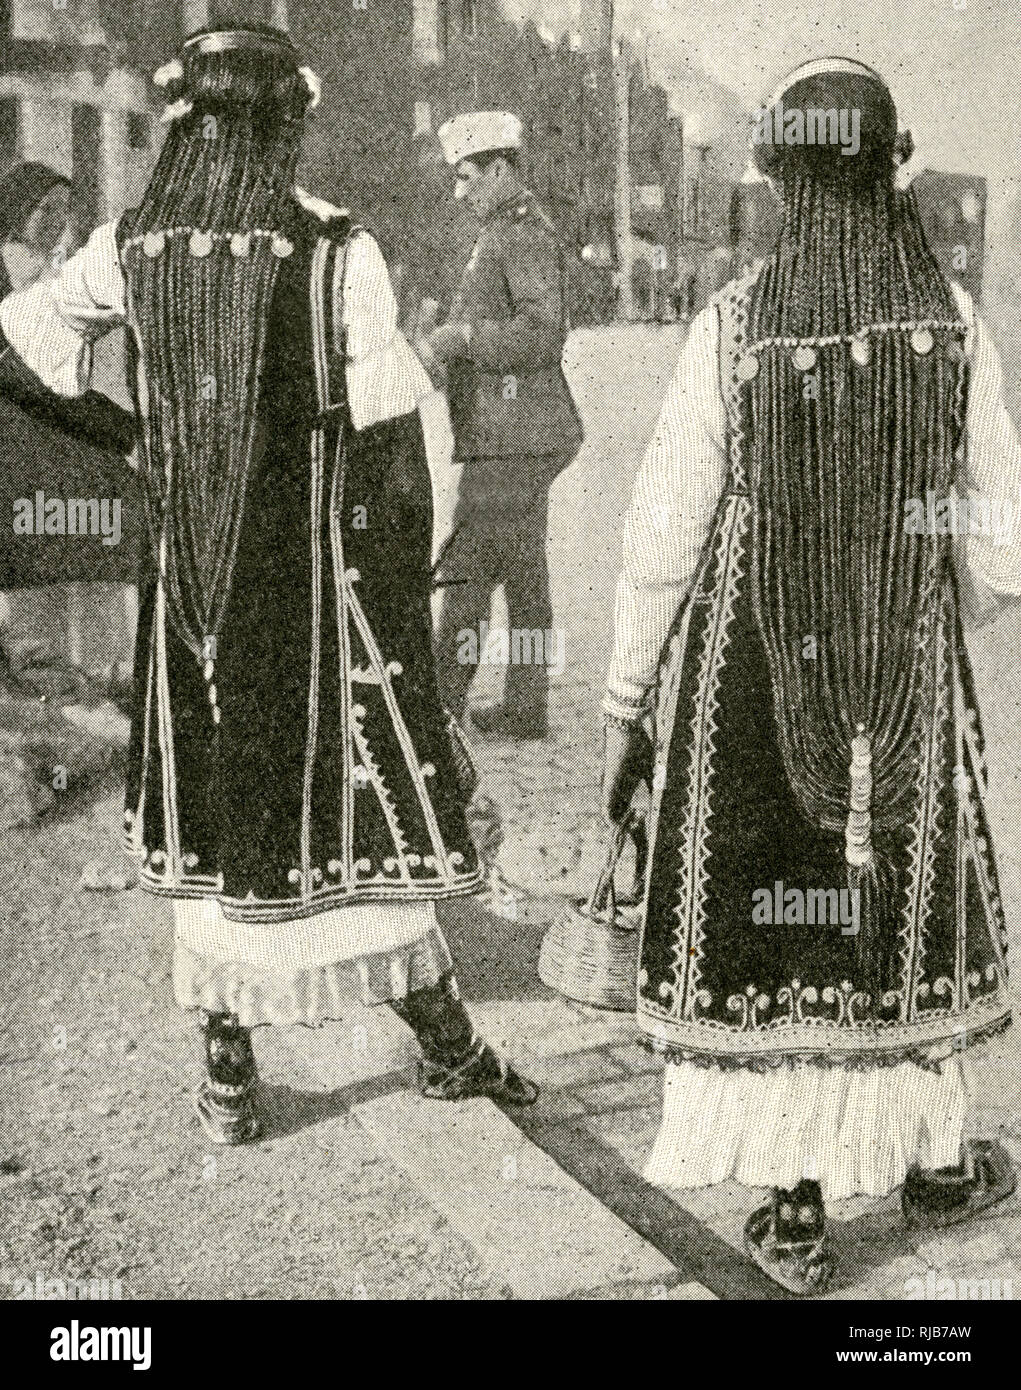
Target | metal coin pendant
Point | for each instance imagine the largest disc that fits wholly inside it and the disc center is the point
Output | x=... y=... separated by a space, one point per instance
x=200 y=243
x=804 y=358
x=922 y=341
x=861 y=350
x=240 y=244
x=281 y=247
x=153 y=244
x=748 y=367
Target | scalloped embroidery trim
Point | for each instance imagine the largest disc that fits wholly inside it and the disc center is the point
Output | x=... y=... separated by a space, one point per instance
x=920 y=1054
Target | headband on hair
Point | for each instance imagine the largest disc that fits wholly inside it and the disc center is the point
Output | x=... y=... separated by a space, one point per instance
x=820 y=105
x=826 y=67
x=224 y=40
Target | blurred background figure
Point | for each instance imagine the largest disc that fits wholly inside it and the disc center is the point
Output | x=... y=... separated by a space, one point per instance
x=515 y=424
x=64 y=447
x=35 y=218
x=36 y=225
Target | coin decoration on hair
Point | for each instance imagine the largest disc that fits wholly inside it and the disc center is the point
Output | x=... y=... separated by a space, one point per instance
x=861 y=350
x=240 y=244
x=804 y=358
x=280 y=246
x=153 y=244
x=200 y=243
x=748 y=367
x=922 y=341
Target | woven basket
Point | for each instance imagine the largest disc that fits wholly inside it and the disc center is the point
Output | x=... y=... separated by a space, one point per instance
x=591 y=954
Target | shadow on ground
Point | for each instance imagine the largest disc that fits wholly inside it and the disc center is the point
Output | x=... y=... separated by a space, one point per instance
x=496 y=958
x=287 y=1110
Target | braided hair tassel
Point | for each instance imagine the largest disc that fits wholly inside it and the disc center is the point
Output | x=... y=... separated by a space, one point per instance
x=208 y=663
x=869 y=881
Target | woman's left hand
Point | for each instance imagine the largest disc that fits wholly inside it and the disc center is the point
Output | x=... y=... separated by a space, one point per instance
x=627 y=762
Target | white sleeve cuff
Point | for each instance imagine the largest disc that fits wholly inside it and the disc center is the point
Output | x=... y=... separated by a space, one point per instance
x=389 y=383
x=630 y=705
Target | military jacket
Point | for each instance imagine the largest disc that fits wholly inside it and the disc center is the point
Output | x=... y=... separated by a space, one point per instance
x=508 y=392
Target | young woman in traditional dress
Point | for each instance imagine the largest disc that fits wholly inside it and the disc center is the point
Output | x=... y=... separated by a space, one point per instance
x=292 y=785
x=817 y=732
x=50 y=443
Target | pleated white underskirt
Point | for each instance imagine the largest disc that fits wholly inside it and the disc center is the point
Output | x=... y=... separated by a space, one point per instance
x=854 y=1131
x=310 y=971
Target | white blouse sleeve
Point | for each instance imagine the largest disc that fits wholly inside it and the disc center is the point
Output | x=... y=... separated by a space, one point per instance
x=993 y=543
x=675 y=496
x=53 y=324
x=384 y=377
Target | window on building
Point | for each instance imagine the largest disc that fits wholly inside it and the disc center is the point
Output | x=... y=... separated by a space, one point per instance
x=56 y=21
x=429 y=31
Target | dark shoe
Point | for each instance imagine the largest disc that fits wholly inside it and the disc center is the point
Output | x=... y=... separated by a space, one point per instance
x=944 y=1196
x=228 y=1113
x=788 y=1240
x=500 y=721
x=483 y=1074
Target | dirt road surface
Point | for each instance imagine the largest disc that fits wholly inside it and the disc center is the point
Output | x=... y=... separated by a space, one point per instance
x=105 y=1174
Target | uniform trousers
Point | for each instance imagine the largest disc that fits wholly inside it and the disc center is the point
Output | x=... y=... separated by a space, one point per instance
x=498 y=538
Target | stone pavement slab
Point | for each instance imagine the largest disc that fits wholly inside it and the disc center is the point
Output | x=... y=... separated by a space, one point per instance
x=533 y=1224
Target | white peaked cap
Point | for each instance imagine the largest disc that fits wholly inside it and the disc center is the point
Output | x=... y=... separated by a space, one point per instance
x=478 y=132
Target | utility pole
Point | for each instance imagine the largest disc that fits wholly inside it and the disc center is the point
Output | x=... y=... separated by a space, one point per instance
x=620 y=58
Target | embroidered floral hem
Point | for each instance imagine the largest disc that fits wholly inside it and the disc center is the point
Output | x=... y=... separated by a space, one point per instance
x=855 y=1132
x=319 y=995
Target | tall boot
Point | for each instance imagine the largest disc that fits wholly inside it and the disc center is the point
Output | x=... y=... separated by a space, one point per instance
x=456 y=1062
x=226 y=1100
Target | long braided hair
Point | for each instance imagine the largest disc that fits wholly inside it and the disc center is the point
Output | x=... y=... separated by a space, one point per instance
x=833 y=465
x=200 y=304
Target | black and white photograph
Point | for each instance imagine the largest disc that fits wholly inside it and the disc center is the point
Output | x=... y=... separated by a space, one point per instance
x=510 y=617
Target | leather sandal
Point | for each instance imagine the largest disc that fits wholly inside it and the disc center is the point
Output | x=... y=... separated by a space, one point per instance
x=483 y=1073
x=944 y=1196
x=228 y=1114
x=788 y=1241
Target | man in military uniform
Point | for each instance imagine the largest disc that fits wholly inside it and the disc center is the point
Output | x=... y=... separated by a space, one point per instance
x=515 y=425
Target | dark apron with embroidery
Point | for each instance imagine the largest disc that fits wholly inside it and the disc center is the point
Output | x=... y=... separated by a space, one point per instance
x=329 y=778
x=715 y=985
